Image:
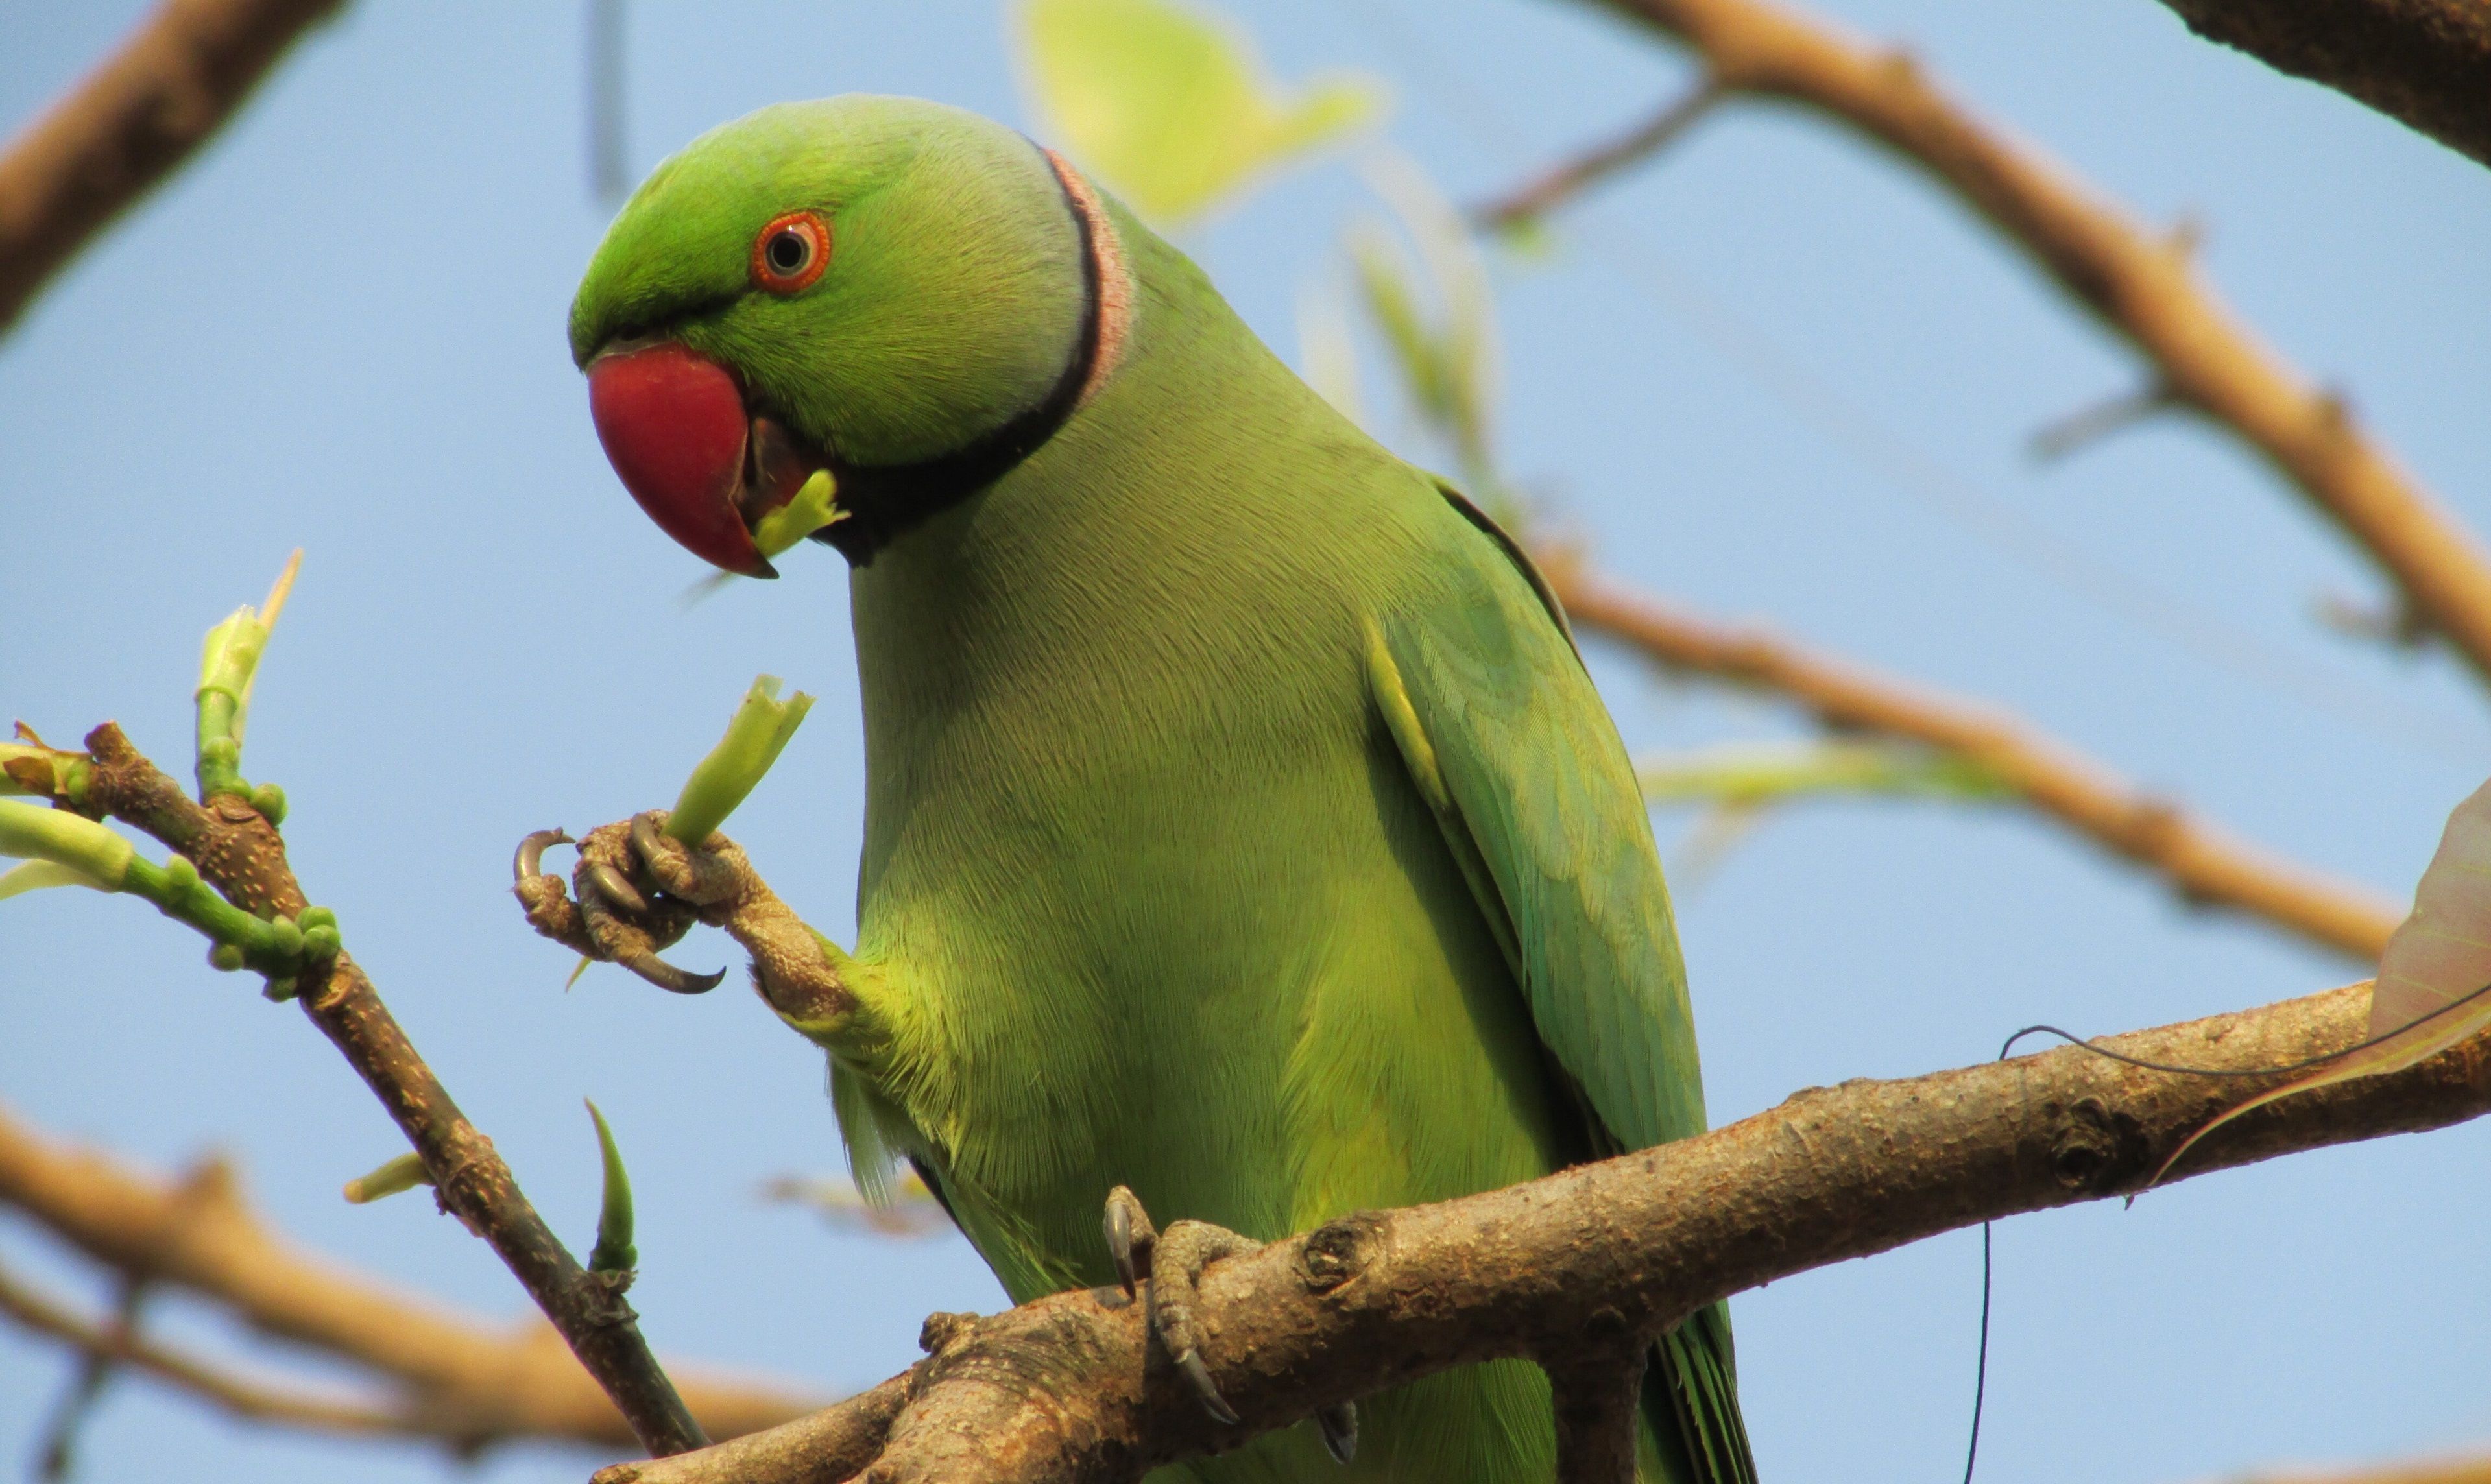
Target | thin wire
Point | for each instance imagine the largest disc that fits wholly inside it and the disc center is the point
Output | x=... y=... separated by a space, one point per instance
x=2303 y=1065
x=1980 y=1366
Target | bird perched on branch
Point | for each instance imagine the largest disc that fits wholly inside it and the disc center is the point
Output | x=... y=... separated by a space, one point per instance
x=1246 y=844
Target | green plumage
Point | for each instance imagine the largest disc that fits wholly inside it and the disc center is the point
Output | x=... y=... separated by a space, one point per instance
x=1241 y=826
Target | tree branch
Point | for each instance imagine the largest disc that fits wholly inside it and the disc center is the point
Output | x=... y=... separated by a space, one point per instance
x=243 y=1399
x=1067 y=1389
x=1572 y=178
x=457 y=1379
x=172 y=84
x=2425 y=62
x=2204 y=865
x=241 y=855
x=2141 y=288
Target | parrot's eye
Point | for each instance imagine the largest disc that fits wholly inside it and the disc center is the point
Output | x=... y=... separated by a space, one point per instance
x=791 y=252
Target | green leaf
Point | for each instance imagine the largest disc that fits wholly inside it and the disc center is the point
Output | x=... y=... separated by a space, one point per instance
x=1171 y=106
x=759 y=729
x=1749 y=776
x=36 y=875
x=614 y=1252
x=2423 y=1000
x=1437 y=313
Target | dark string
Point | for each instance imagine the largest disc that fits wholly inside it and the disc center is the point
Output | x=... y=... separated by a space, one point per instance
x=1980 y=1366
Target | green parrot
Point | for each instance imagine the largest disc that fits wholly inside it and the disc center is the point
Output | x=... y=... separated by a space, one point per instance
x=1246 y=844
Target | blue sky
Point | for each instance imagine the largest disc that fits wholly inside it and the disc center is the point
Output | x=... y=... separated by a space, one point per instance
x=1775 y=376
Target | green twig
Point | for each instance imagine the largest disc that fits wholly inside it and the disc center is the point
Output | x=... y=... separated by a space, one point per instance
x=228 y=665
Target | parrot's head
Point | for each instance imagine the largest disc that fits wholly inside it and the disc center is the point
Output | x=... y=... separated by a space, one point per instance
x=906 y=295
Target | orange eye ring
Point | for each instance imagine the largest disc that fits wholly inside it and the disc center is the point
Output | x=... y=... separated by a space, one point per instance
x=791 y=252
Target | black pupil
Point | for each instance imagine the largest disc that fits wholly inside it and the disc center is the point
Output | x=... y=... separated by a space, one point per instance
x=788 y=252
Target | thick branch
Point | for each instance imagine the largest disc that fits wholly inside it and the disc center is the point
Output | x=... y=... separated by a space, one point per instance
x=1066 y=1388
x=2425 y=62
x=460 y=1379
x=2204 y=865
x=2140 y=287
x=238 y=854
x=176 y=80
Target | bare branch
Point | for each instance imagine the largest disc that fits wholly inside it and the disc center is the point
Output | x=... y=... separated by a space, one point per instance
x=1572 y=178
x=2204 y=865
x=2141 y=287
x=243 y=1399
x=2426 y=63
x=2460 y=1470
x=168 y=89
x=1067 y=1389
x=460 y=1379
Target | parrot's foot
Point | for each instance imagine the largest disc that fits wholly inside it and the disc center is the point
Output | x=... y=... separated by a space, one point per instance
x=1173 y=1264
x=638 y=891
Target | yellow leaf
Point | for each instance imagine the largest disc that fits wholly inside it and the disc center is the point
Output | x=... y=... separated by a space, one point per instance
x=1168 y=105
x=2428 y=994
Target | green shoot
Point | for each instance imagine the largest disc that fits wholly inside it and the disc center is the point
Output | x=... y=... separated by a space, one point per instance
x=614 y=1252
x=753 y=738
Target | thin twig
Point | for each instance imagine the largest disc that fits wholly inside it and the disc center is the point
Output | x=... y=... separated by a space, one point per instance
x=2141 y=287
x=1069 y=1390
x=2090 y=424
x=2204 y=865
x=461 y=1379
x=57 y=1455
x=172 y=84
x=2426 y=63
x=238 y=854
x=1572 y=178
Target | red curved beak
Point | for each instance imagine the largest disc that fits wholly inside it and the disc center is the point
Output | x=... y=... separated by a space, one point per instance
x=675 y=428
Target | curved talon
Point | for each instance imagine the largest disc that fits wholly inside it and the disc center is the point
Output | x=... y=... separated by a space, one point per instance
x=530 y=860
x=1132 y=1241
x=615 y=887
x=645 y=837
x=673 y=980
x=1340 y=1425
x=1198 y=1375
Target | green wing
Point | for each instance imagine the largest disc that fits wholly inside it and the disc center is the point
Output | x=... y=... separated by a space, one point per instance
x=1507 y=741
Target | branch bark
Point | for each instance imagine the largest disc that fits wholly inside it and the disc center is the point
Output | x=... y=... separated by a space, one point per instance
x=2206 y=866
x=1067 y=1389
x=241 y=855
x=172 y=84
x=2141 y=288
x=455 y=1377
x=2424 y=63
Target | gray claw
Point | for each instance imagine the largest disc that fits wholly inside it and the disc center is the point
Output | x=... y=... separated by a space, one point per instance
x=673 y=980
x=529 y=861
x=1119 y=1243
x=1198 y=1375
x=645 y=838
x=1340 y=1425
x=612 y=885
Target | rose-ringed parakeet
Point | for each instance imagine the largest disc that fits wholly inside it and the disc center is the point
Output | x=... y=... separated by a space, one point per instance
x=1244 y=836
